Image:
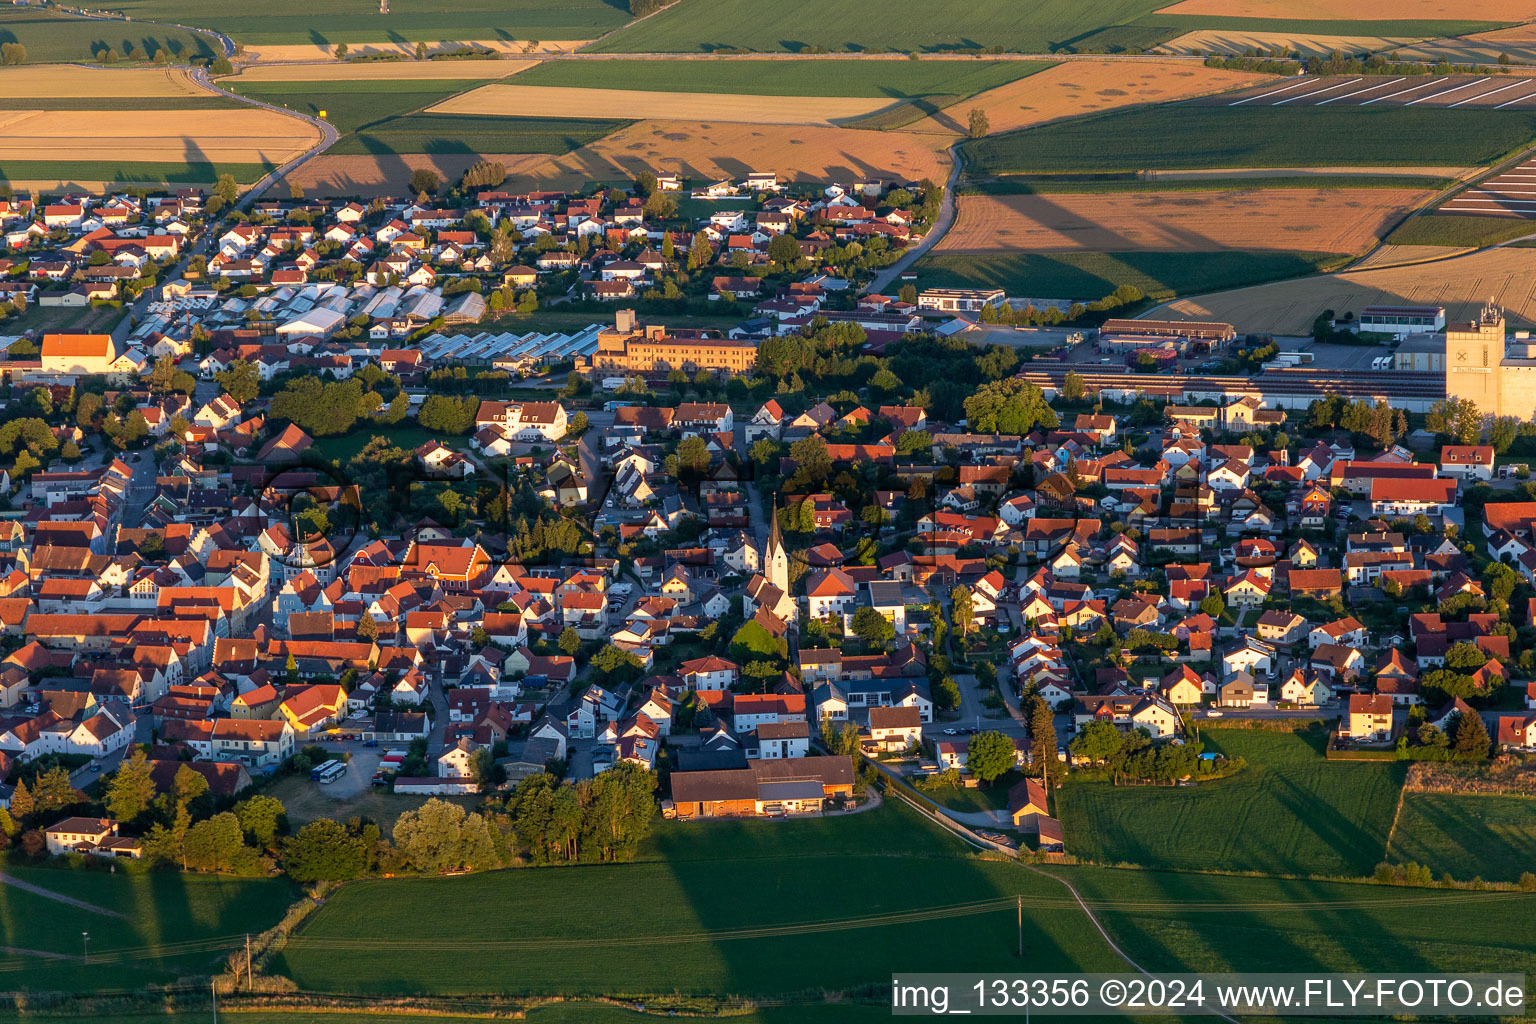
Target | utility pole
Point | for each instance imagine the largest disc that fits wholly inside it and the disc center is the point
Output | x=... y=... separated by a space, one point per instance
x=213 y=986
x=85 y=940
x=249 y=985
x=1021 y=927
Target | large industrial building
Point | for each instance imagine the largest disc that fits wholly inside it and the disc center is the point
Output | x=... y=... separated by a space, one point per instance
x=628 y=348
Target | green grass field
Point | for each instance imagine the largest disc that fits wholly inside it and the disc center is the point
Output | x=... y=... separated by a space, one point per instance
x=346 y=446
x=127 y=172
x=195 y=919
x=1289 y=812
x=51 y=37
x=1184 y=135
x=1492 y=837
x=897 y=79
x=1044 y=26
x=469 y=133
x=553 y=1013
x=527 y=932
x=1168 y=921
x=352 y=105
x=1460 y=232
x=1092 y=275
x=333 y=21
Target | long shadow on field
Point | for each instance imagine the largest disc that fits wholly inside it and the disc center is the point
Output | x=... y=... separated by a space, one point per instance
x=828 y=870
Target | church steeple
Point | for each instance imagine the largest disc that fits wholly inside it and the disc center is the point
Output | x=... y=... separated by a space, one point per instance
x=776 y=559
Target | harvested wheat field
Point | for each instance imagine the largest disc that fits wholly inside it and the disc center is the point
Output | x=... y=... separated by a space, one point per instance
x=1461 y=284
x=384 y=71
x=71 y=81
x=1519 y=42
x=1289 y=220
x=190 y=136
x=1308 y=44
x=369 y=176
x=1361 y=10
x=698 y=151
x=552 y=101
x=1084 y=87
x=267 y=53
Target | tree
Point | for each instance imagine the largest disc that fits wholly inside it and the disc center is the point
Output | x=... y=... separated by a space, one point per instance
x=131 y=789
x=226 y=189
x=485 y=174
x=991 y=756
x=421 y=50
x=1471 y=737
x=295 y=190
x=341 y=51
x=323 y=850
x=947 y=694
x=701 y=253
x=840 y=740
x=425 y=179
x=693 y=456
x=13 y=53
x=1073 y=389
x=961 y=612
x=217 y=844
x=1465 y=657
x=188 y=785
x=1456 y=418
x=22 y=804
x=979 y=125
x=1042 y=730
x=1099 y=741
x=52 y=791
x=449 y=414
x=262 y=818
x=784 y=250
x=440 y=836
x=1009 y=406
x=1213 y=605
x=570 y=642
x=872 y=627
x=221 y=66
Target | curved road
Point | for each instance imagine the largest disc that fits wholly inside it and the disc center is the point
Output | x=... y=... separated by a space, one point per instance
x=941 y=224
x=328 y=135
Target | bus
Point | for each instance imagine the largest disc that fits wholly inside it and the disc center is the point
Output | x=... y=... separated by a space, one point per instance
x=334 y=772
x=319 y=770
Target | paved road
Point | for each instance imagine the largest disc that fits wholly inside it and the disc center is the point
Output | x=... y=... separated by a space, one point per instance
x=941 y=225
x=328 y=135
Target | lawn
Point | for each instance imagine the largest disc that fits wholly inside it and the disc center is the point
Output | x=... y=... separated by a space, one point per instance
x=305 y=801
x=126 y=172
x=1264 y=924
x=1139 y=139
x=1459 y=231
x=51 y=37
x=208 y=915
x=982 y=798
x=352 y=105
x=332 y=21
x=579 y=931
x=1043 y=26
x=452 y=133
x=60 y=318
x=1289 y=812
x=898 y=79
x=1493 y=837
x=344 y=447
x=1091 y=275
